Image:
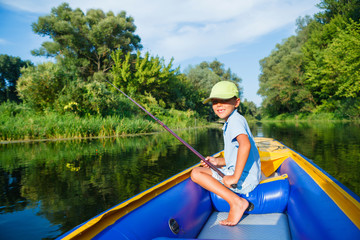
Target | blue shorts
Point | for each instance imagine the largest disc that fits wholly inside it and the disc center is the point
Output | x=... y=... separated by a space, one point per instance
x=244 y=188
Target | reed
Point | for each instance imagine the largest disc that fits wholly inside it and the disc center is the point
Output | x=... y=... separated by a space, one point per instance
x=318 y=116
x=25 y=124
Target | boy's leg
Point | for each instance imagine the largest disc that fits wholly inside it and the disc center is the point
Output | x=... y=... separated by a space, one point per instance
x=238 y=205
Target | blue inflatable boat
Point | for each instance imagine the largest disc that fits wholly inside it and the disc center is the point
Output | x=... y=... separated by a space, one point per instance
x=295 y=200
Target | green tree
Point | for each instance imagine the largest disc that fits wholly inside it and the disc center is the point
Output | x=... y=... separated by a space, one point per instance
x=40 y=86
x=282 y=78
x=202 y=78
x=344 y=69
x=321 y=79
x=144 y=76
x=215 y=71
x=316 y=70
x=249 y=110
x=85 y=98
x=206 y=74
x=85 y=40
x=187 y=96
x=9 y=74
x=333 y=67
x=332 y=8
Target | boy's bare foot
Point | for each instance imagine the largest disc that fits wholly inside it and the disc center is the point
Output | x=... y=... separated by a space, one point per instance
x=236 y=212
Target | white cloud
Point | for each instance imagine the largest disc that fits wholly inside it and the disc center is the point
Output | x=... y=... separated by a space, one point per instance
x=3 y=41
x=192 y=28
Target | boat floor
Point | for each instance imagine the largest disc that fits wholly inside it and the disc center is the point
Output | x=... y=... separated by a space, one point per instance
x=252 y=226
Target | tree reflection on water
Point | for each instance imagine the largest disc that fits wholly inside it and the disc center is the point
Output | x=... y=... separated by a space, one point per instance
x=69 y=182
x=72 y=181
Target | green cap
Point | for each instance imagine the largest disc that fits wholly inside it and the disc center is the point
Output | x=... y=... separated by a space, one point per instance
x=223 y=90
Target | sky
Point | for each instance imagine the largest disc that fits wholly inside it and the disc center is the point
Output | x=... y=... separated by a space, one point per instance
x=238 y=33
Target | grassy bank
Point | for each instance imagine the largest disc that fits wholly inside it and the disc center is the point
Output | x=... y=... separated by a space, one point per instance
x=24 y=124
x=307 y=117
x=19 y=122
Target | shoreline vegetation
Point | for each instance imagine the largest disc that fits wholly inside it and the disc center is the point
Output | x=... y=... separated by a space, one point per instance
x=26 y=125
x=316 y=117
x=21 y=125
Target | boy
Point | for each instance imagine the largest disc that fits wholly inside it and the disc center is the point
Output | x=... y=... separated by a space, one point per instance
x=241 y=164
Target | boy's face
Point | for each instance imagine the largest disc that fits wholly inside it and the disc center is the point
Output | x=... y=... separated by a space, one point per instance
x=223 y=108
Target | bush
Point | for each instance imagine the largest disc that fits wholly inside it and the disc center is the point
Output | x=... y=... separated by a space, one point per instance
x=93 y=98
x=40 y=86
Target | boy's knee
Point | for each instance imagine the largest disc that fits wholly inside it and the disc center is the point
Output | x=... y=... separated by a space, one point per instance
x=195 y=174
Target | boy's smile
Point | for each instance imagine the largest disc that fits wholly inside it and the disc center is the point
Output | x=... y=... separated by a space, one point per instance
x=223 y=108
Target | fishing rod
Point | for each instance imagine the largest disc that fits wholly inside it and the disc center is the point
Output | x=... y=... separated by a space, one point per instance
x=212 y=166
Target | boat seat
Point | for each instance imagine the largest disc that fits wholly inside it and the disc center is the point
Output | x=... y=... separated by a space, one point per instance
x=272 y=226
x=253 y=226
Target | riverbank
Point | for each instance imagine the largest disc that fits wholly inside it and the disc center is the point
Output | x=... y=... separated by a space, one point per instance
x=20 y=124
x=287 y=117
x=35 y=126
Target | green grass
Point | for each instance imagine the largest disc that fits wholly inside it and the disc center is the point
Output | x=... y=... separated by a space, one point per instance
x=20 y=123
x=321 y=116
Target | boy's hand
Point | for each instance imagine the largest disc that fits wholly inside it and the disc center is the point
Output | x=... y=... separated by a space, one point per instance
x=229 y=180
x=212 y=160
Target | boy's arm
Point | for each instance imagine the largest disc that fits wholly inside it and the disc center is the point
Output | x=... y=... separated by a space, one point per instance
x=242 y=156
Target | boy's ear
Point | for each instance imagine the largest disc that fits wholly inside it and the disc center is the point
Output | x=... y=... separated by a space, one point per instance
x=237 y=102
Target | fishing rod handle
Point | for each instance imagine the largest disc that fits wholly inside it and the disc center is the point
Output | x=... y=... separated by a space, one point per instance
x=217 y=170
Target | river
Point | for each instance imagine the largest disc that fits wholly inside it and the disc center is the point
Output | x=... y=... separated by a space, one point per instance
x=50 y=187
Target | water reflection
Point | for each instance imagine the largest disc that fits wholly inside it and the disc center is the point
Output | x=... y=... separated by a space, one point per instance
x=50 y=187
x=68 y=182
x=334 y=146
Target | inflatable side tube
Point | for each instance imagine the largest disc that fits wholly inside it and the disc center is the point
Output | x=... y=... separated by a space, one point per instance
x=179 y=212
x=312 y=212
x=270 y=196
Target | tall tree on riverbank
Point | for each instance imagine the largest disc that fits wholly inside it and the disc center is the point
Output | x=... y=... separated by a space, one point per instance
x=204 y=76
x=318 y=69
x=9 y=74
x=349 y=9
x=85 y=40
x=81 y=44
x=332 y=60
x=152 y=81
x=282 y=78
x=143 y=75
